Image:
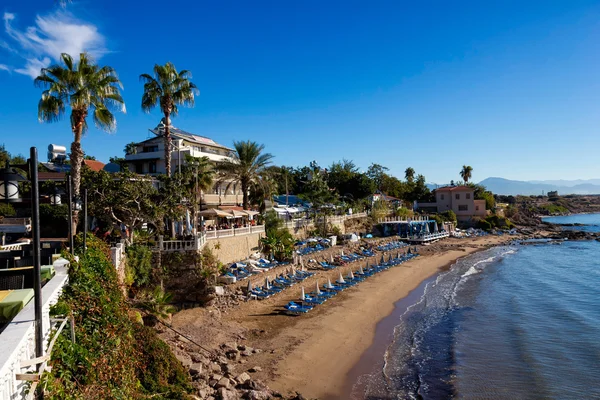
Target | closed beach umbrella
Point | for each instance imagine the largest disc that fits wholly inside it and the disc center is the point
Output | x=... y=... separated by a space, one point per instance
x=382 y=260
x=329 y=285
x=362 y=272
x=267 y=283
x=249 y=286
x=341 y=280
x=342 y=253
x=351 y=275
x=302 y=295
x=318 y=291
x=331 y=259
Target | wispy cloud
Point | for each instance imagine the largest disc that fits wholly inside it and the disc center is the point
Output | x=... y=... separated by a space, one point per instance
x=52 y=34
x=4 y=67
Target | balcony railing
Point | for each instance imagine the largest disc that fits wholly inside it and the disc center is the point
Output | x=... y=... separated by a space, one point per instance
x=222 y=233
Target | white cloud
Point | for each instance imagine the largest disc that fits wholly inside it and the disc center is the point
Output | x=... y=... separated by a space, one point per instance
x=53 y=34
x=4 y=67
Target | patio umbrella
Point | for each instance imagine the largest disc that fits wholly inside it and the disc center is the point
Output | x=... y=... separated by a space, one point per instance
x=332 y=259
x=329 y=285
x=362 y=272
x=382 y=260
x=342 y=253
x=318 y=291
x=341 y=280
x=351 y=275
x=237 y=214
x=302 y=295
x=267 y=285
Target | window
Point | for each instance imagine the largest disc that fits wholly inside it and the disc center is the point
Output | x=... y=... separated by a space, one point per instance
x=441 y=197
x=468 y=195
x=152 y=167
x=139 y=168
x=457 y=196
x=476 y=208
x=463 y=207
x=150 y=149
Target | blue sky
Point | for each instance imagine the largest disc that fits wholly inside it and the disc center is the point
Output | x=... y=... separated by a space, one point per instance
x=511 y=88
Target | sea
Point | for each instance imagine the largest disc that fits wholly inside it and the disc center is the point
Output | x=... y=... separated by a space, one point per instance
x=520 y=321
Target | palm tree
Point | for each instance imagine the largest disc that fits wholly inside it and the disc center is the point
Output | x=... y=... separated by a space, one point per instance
x=465 y=173
x=245 y=167
x=86 y=88
x=168 y=89
x=409 y=174
x=130 y=148
x=198 y=174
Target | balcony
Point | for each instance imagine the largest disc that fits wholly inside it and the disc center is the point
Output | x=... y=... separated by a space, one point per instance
x=212 y=200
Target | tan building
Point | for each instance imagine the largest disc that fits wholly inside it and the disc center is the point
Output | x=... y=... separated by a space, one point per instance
x=459 y=199
x=149 y=159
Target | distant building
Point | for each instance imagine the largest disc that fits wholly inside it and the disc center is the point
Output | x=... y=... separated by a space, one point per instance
x=393 y=201
x=553 y=193
x=149 y=159
x=460 y=199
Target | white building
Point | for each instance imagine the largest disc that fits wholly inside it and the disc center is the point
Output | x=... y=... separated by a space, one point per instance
x=149 y=159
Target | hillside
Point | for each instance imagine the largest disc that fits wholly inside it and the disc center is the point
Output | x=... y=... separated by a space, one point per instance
x=512 y=187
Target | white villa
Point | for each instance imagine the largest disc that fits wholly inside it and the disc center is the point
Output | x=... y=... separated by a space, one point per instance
x=149 y=159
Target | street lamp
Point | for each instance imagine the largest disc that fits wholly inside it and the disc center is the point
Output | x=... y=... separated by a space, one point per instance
x=9 y=184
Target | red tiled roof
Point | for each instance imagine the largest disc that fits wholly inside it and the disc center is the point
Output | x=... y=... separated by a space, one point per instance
x=51 y=176
x=94 y=165
x=452 y=188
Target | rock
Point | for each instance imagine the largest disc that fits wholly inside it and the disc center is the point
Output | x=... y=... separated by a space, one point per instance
x=196 y=369
x=223 y=360
x=255 y=369
x=220 y=290
x=256 y=351
x=215 y=367
x=183 y=359
x=258 y=395
x=246 y=353
x=229 y=369
x=242 y=378
x=199 y=358
x=225 y=394
x=216 y=377
x=232 y=354
x=241 y=347
x=223 y=383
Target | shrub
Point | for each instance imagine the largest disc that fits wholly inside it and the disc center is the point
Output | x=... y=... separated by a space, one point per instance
x=54 y=220
x=483 y=224
x=449 y=216
x=139 y=265
x=112 y=354
x=7 y=210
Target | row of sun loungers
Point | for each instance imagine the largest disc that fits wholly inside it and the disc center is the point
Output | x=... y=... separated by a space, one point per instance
x=321 y=294
x=244 y=270
x=391 y=246
x=280 y=283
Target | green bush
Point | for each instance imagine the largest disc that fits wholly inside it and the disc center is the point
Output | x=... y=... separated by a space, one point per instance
x=139 y=265
x=483 y=224
x=112 y=354
x=449 y=216
x=7 y=210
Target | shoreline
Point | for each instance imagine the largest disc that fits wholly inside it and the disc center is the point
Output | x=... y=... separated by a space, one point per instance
x=335 y=343
x=314 y=354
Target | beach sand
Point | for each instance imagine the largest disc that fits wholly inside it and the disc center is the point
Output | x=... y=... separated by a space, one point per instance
x=313 y=353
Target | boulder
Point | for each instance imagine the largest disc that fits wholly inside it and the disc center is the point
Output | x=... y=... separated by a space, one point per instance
x=196 y=369
x=255 y=369
x=242 y=378
x=224 y=394
x=223 y=383
x=258 y=395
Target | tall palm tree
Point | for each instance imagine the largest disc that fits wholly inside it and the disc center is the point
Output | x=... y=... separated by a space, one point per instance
x=409 y=174
x=245 y=167
x=168 y=89
x=198 y=175
x=86 y=88
x=465 y=173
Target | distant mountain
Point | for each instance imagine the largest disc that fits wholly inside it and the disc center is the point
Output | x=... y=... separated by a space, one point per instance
x=510 y=187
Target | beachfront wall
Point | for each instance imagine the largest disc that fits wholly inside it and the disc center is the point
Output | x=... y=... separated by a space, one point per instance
x=234 y=248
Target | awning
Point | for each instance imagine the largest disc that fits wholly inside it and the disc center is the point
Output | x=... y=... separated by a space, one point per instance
x=213 y=212
x=237 y=214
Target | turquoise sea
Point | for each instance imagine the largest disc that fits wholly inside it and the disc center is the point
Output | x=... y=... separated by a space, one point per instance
x=513 y=322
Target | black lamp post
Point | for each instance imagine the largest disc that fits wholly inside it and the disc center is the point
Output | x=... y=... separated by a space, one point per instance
x=9 y=184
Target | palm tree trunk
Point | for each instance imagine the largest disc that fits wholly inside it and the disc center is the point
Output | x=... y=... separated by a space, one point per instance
x=76 y=159
x=167 y=145
x=245 y=194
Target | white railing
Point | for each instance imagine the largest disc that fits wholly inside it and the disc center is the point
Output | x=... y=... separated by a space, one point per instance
x=194 y=244
x=15 y=246
x=423 y=218
x=430 y=236
x=222 y=233
x=17 y=341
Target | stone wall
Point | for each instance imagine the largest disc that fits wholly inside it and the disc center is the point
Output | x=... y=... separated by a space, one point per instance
x=234 y=248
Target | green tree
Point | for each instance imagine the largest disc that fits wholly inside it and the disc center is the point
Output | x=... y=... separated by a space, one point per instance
x=86 y=157
x=376 y=172
x=167 y=89
x=409 y=174
x=130 y=148
x=465 y=173
x=85 y=87
x=245 y=167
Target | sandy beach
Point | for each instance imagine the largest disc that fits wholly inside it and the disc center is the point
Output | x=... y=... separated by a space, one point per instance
x=313 y=353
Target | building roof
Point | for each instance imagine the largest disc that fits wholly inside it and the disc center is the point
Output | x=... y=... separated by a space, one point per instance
x=387 y=197
x=453 y=188
x=94 y=165
x=177 y=133
x=51 y=176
